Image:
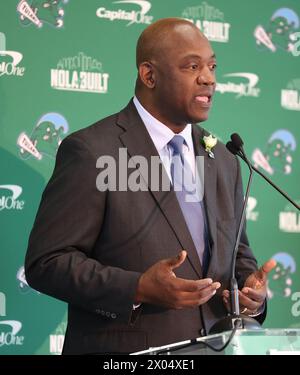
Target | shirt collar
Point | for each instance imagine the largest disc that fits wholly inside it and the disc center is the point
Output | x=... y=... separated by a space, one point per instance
x=160 y=134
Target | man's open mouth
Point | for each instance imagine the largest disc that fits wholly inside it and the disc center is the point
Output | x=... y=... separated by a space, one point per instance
x=206 y=99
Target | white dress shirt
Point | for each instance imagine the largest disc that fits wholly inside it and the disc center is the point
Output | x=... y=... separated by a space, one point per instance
x=161 y=135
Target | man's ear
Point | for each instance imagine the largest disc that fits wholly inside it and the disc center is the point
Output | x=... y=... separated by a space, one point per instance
x=147 y=75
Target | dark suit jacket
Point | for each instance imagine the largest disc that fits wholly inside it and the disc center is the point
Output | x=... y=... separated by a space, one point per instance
x=89 y=248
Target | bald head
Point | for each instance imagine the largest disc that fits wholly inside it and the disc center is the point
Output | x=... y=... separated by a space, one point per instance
x=160 y=36
x=176 y=72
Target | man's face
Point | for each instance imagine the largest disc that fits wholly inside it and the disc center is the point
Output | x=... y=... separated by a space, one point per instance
x=185 y=78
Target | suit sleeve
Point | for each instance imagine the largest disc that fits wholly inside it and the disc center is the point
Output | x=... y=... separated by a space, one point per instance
x=59 y=260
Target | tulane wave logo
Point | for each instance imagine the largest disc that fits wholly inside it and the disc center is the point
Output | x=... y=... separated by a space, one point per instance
x=277 y=155
x=45 y=137
x=39 y=12
x=280 y=33
x=280 y=283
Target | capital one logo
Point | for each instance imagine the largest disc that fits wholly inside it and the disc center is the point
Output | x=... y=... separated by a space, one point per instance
x=11 y=202
x=9 y=60
x=133 y=16
x=244 y=85
x=9 y=329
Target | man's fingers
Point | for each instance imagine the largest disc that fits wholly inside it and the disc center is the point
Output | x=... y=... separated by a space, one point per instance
x=269 y=265
x=248 y=297
x=226 y=293
x=226 y=299
x=205 y=299
x=211 y=289
x=253 y=294
x=248 y=302
x=191 y=285
x=266 y=268
x=176 y=261
x=197 y=300
x=226 y=303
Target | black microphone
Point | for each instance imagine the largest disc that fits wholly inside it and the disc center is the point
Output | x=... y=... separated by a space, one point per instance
x=236 y=320
x=236 y=147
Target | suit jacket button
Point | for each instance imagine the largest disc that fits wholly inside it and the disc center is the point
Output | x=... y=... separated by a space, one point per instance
x=202 y=332
x=113 y=315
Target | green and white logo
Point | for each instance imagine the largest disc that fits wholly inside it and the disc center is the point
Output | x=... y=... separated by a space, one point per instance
x=130 y=15
x=56 y=340
x=10 y=60
x=9 y=329
x=81 y=73
x=241 y=84
x=280 y=32
x=289 y=219
x=290 y=97
x=281 y=282
x=9 y=198
x=23 y=284
x=210 y=20
x=277 y=154
x=45 y=137
x=40 y=12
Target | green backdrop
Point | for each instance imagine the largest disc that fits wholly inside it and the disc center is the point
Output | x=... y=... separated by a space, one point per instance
x=67 y=64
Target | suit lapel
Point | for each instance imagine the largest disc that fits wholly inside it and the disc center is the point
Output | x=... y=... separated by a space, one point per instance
x=138 y=142
x=210 y=183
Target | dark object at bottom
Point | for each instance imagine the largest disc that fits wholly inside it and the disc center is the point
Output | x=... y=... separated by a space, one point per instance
x=228 y=324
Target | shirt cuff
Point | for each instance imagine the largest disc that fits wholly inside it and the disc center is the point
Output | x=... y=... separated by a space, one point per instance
x=259 y=311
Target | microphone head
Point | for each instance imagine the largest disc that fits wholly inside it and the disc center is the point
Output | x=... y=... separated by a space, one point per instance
x=231 y=147
x=237 y=141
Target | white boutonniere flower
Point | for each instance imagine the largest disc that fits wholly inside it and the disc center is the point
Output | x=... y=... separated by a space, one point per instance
x=209 y=143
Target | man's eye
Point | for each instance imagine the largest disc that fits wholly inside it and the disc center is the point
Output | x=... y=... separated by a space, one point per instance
x=194 y=67
x=213 y=67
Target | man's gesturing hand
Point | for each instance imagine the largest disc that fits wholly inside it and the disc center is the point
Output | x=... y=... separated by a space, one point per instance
x=254 y=292
x=160 y=286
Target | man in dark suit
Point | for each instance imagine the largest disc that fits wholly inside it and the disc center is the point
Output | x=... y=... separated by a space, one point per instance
x=114 y=255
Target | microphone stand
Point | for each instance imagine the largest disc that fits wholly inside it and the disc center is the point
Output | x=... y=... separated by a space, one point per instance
x=235 y=319
x=236 y=148
x=243 y=156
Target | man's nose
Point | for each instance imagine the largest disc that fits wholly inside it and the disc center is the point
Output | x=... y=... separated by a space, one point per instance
x=207 y=77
